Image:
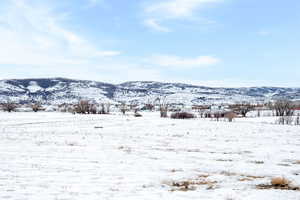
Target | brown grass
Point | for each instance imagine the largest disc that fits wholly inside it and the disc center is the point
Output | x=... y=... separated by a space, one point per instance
x=190 y=185
x=182 y=115
x=284 y=164
x=224 y=160
x=297 y=162
x=279 y=183
x=258 y=162
x=245 y=179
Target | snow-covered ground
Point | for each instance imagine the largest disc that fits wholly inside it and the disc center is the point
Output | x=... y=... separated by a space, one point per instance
x=96 y=157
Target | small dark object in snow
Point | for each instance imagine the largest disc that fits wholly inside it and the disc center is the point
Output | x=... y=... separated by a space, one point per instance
x=138 y=115
x=182 y=115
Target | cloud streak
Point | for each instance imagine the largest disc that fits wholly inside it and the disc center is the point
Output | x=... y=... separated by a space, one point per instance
x=35 y=35
x=159 y=12
x=153 y=24
x=182 y=62
x=177 y=8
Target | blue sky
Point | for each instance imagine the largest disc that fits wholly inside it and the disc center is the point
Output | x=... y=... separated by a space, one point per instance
x=206 y=42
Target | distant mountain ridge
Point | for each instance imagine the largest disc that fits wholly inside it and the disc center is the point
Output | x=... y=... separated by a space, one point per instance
x=63 y=90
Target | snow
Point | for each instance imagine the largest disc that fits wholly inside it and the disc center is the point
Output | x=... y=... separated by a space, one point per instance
x=34 y=87
x=5 y=87
x=63 y=156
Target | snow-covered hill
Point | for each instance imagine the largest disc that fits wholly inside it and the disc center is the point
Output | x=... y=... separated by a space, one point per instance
x=61 y=90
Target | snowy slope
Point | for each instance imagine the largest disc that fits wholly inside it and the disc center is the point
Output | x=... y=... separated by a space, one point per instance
x=61 y=90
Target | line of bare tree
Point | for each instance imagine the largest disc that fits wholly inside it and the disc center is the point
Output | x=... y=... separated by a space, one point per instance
x=9 y=106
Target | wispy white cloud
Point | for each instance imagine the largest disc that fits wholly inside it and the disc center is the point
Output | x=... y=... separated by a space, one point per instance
x=182 y=62
x=160 y=11
x=93 y=3
x=177 y=8
x=263 y=33
x=153 y=24
x=35 y=35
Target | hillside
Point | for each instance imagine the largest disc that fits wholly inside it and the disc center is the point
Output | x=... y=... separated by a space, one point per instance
x=62 y=90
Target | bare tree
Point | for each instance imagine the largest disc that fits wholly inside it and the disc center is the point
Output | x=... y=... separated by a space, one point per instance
x=85 y=107
x=9 y=107
x=284 y=108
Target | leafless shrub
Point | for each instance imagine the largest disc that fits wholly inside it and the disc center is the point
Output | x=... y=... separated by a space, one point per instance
x=218 y=115
x=9 y=107
x=230 y=116
x=63 y=107
x=123 y=108
x=191 y=184
x=149 y=106
x=163 y=107
x=285 y=120
x=133 y=106
x=297 y=120
x=105 y=108
x=279 y=183
x=138 y=114
x=182 y=115
x=36 y=107
x=242 y=109
x=163 y=111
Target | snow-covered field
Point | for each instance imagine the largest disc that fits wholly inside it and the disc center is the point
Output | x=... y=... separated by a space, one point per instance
x=97 y=157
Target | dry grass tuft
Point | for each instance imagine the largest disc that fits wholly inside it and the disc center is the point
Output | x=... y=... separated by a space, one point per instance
x=245 y=179
x=297 y=162
x=254 y=177
x=190 y=185
x=203 y=175
x=224 y=160
x=258 y=162
x=176 y=170
x=284 y=164
x=279 y=183
x=125 y=149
